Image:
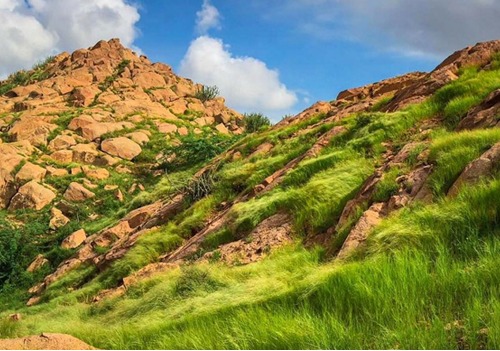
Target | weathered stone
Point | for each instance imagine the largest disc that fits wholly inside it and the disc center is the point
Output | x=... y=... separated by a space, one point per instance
x=56 y=172
x=74 y=240
x=37 y=263
x=58 y=219
x=32 y=196
x=96 y=173
x=121 y=147
x=62 y=142
x=77 y=193
x=140 y=138
x=30 y=171
x=85 y=153
x=62 y=156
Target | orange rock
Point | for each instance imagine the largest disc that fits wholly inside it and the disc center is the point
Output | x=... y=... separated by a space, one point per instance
x=74 y=240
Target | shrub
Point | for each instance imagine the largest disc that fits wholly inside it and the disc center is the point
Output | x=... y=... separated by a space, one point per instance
x=255 y=122
x=195 y=150
x=206 y=93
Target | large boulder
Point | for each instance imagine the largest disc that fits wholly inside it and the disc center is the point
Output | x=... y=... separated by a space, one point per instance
x=34 y=130
x=77 y=193
x=30 y=171
x=121 y=147
x=32 y=195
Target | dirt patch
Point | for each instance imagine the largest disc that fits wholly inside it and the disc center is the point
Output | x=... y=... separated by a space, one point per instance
x=45 y=341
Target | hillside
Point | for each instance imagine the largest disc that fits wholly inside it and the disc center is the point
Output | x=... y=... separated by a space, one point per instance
x=138 y=213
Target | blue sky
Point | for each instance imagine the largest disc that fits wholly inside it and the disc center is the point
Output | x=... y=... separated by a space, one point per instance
x=313 y=67
x=276 y=57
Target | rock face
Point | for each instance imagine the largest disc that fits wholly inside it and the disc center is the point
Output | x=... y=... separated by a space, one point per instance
x=485 y=115
x=481 y=167
x=77 y=193
x=32 y=195
x=121 y=147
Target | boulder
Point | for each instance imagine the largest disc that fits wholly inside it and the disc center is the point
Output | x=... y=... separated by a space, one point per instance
x=121 y=147
x=167 y=128
x=74 y=240
x=62 y=156
x=58 y=219
x=62 y=142
x=221 y=128
x=34 y=130
x=95 y=173
x=85 y=153
x=56 y=172
x=37 y=263
x=32 y=195
x=84 y=96
x=30 y=171
x=80 y=122
x=140 y=138
x=483 y=166
x=183 y=131
x=77 y=193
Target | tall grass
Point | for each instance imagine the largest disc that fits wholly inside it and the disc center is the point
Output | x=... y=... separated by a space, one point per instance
x=453 y=151
x=314 y=205
x=397 y=296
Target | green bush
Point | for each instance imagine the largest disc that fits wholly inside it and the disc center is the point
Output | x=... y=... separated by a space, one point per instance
x=255 y=122
x=206 y=93
x=195 y=150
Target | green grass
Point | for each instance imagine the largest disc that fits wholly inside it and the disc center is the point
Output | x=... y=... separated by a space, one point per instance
x=453 y=151
x=314 y=206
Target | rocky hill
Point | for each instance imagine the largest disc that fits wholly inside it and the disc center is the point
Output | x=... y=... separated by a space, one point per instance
x=345 y=226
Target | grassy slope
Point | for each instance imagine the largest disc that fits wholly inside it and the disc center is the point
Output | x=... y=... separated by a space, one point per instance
x=428 y=276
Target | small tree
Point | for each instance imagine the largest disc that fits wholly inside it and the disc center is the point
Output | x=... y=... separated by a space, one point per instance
x=206 y=93
x=255 y=121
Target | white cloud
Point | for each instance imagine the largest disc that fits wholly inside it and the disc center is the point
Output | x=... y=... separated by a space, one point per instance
x=207 y=18
x=423 y=27
x=34 y=29
x=246 y=83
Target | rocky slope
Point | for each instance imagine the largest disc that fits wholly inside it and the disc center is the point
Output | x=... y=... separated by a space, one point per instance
x=95 y=107
x=336 y=175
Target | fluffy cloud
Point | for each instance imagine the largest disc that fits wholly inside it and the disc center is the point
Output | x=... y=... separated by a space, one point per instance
x=207 y=18
x=246 y=83
x=34 y=29
x=423 y=27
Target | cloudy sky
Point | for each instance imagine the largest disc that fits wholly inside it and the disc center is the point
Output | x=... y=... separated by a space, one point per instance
x=276 y=57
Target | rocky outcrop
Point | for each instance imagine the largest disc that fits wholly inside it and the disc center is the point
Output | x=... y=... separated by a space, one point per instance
x=484 y=166
x=369 y=219
x=486 y=115
x=272 y=233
